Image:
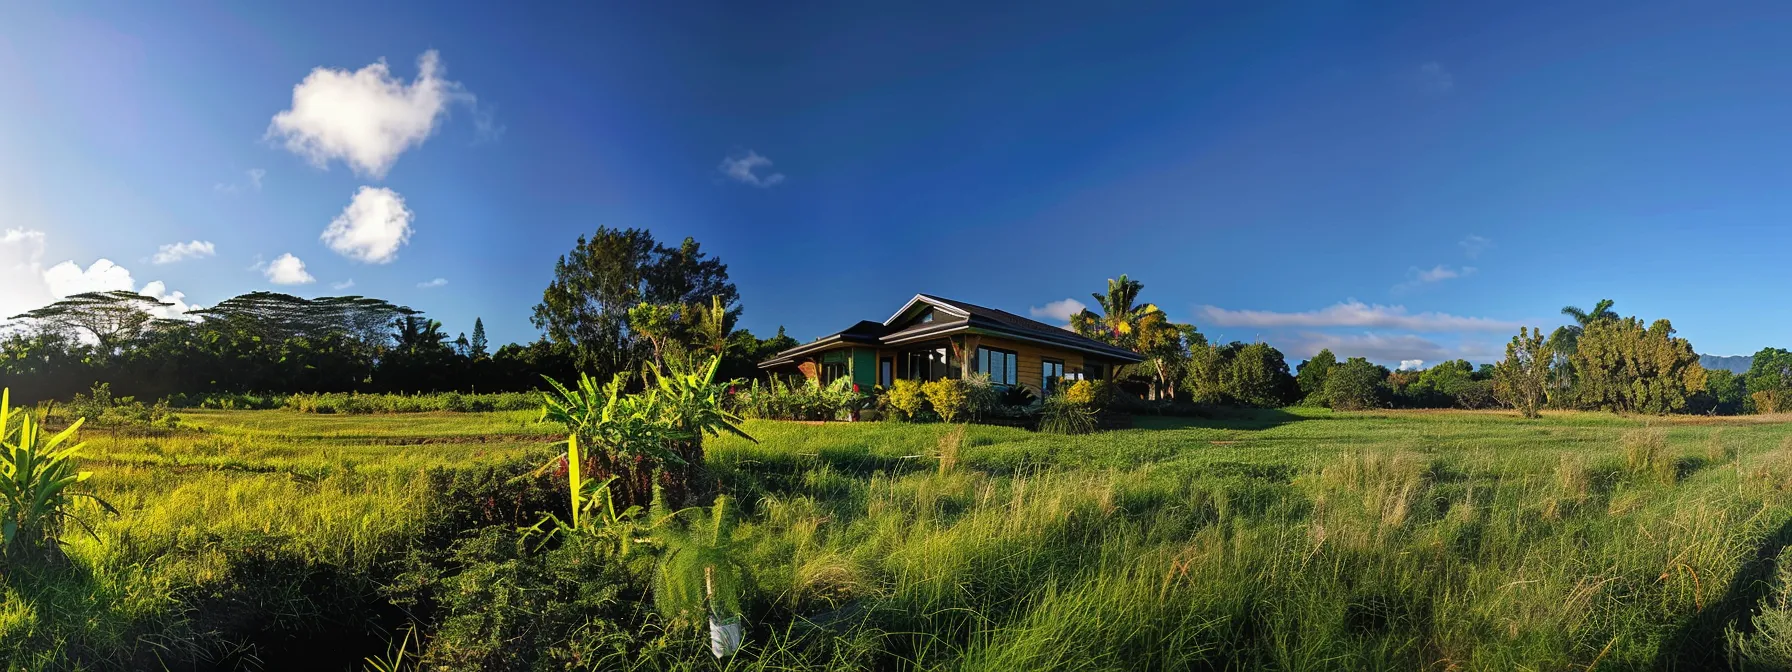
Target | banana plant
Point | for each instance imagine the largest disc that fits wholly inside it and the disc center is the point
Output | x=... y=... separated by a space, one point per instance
x=36 y=475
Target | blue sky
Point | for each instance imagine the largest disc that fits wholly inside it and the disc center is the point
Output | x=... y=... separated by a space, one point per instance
x=1400 y=182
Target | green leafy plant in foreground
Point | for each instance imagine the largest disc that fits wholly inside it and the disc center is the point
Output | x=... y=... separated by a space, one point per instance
x=35 y=478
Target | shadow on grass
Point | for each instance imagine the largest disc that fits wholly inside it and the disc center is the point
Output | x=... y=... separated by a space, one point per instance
x=1699 y=643
x=1224 y=417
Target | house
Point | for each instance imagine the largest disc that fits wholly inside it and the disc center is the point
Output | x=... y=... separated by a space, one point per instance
x=932 y=337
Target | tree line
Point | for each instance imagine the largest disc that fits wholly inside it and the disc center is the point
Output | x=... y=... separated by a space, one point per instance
x=266 y=342
x=1599 y=361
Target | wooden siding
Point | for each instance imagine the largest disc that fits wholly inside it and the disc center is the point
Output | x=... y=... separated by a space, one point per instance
x=1030 y=364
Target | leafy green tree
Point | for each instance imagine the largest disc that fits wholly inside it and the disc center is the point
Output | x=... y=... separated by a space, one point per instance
x=1521 y=380
x=1725 y=394
x=1356 y=384
x=1769 y=381
x=1310 y=376
x=1623 y=366
x=1257 y=375
x=586 y=306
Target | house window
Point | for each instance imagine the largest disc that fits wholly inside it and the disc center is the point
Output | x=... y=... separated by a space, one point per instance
x=1054 y=371
x=886 y=371
x=1093 y=371
x=832 y=371
x=929 y=364
x=999 y=364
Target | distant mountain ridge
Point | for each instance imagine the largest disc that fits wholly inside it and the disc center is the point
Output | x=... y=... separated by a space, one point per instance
x=1737 y=363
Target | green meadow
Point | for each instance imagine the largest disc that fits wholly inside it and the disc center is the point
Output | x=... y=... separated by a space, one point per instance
x=1292 y=540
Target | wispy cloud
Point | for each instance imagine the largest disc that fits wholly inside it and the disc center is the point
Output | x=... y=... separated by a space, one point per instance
x=1416 y=277
x=1432 y=78
x=1409 y=350
x=173 y=252
x=1474 y=245
x=255 y=175
x=744 y=168
x=432 y=284
x=345 y=284
x=367 y=117
x=1354 y=314
x=1059 y=310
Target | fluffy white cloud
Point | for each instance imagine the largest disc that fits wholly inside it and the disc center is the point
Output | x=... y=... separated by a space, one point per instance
x=1354 y=314
x=1059 y=310
x=432 y=284
x=741 y=168
x=345 y=284
x=22 y=285
x=26 y=285
x=173 y=252
x=372 y=227
x=1412 y=364
x=365 y=118
x=69 y=279
x=287 y=270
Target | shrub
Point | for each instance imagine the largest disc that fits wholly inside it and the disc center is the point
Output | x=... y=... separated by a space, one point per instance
x=1095 y=394
x=808 y=400
x=1355 y=385
x=36 y=472
x=950 y=398
x=105 y=410
x=906 y=398
x=981 y=396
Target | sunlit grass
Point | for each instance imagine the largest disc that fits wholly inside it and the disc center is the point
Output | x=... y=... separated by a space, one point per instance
x=1298 y=540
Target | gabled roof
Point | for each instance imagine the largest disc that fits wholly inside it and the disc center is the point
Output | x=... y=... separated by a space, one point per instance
x=970 y=318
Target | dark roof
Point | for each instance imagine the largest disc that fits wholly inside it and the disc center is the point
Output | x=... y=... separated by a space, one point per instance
x=999 y=322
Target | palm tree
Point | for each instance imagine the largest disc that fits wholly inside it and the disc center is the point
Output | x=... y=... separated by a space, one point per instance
x=1120 y=321
x=1567 y=338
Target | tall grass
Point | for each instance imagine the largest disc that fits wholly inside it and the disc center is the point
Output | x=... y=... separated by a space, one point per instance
x=1300 y=541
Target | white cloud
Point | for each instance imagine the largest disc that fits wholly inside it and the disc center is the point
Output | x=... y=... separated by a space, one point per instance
x=432 y=284
x=68 y=278
x=287 y=270
x=255 y=175
x=22 y=285
x=173 y=252
x=1354 y=314
x=26 y=285
x=1059 y=310
x=1474 y=245
x=366 y=118
x=1412 y=364
x=1432 y=78
x=372 y=227
x=1422 y=276
x=345 y=284
x=741 y=167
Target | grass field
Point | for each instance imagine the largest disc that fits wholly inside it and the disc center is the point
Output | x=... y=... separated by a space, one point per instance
x=1296 y=540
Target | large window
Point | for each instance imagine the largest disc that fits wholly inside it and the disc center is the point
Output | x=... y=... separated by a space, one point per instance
x=928 y=364
x=1054 y=371
x=832 y=371
x=999 y=364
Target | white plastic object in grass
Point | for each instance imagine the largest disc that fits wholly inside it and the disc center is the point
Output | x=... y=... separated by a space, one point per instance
x=724 y=636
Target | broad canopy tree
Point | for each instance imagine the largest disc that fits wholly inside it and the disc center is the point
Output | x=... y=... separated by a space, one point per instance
x=587 y=304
